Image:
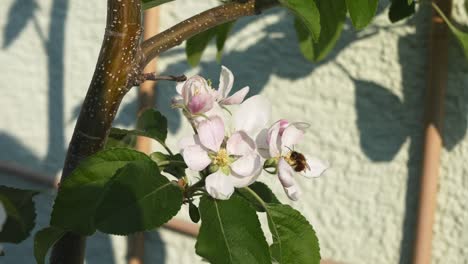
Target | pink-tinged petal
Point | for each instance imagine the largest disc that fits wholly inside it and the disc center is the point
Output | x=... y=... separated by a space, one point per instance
x=196 y=157
x=285 y=173
x=240 y=144
x=213 y=112
x=317 y=168
x=293 y=192
x=200 y=103
x=211 y=133
x=262 y=144
x=291 y=136
x=226 y=79
x=274 y=140
x=195 y=85
x=247 y=166
x=283 y=123
x=252 y=115
x=219 y=185
x=236 y=98
x=188 y=141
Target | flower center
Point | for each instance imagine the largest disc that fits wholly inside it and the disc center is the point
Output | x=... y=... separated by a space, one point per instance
x=222 y=158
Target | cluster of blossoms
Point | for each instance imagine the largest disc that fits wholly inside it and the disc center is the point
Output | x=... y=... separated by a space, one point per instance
x=231 y=149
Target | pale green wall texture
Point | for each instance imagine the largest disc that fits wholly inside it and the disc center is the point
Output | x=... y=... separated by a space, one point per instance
x=364 y=104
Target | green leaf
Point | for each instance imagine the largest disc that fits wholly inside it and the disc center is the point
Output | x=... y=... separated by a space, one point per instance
x=331 y=28
x=263 y=191
x=294 y=239
x=401 y=9
x=146 y=4
x=172 y=164
x=194 y=213
x=308 y=12
x=460 y=35
x=80 y=193
x=466 y=6
x=120 y=138
x=362 y=11
x=230 y=233
x=221 y=37
x=306 y=44
x=197 y=44
x=20 y=212
x=138 y=198
x=44 y=240
x=153 y=124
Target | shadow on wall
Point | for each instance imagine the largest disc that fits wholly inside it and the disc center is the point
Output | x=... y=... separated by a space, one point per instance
x=385 y=121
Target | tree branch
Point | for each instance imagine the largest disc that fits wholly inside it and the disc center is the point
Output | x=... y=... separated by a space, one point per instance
x=117 y=67
x=186 y=29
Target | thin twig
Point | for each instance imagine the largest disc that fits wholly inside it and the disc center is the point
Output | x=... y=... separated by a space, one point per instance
x=153 y=77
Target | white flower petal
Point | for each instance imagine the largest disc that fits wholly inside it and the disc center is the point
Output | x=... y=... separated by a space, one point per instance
x=252 y=115
x=247 y=166
x=188 y=141
x=237 y=97
x=180 y=87
x=211 y=133
x=274 y=140
x=3 y=216
x=290 y=137
x=317 y=168
x=219 y=185
x=226 y=79
x=285 y=173
x=241 y=182
x=240 y=144
x=293 y=192
x=196 y=157
x=262 y=144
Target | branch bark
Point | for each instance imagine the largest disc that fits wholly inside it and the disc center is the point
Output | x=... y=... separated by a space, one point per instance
x=188 y=28
x=117 y=66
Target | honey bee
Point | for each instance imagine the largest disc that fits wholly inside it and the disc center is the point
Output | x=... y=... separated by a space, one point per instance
x=298 y=161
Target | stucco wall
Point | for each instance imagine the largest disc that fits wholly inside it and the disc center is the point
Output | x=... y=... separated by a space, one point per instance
x=364 y=104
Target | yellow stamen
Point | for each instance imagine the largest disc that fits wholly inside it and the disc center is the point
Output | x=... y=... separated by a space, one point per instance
x=222 y=158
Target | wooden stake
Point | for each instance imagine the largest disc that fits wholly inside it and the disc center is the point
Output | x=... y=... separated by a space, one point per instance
x=146 y=98
x=434 y=116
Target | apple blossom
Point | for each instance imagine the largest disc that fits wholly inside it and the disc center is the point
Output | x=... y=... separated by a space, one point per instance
x=276 y=144
x=194 y=95
x=231 y=162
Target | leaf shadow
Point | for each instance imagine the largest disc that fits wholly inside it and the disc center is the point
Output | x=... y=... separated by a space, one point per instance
x=19 y=14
